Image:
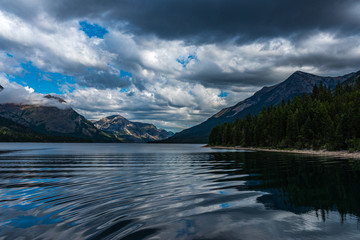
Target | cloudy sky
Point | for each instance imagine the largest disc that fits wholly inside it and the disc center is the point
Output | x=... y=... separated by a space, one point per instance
x=173 y=63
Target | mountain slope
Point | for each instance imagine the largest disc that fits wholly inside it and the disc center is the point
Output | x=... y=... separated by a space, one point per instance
x=14 y=132
x=46 y=122
x=128 y=131
x=53 y=121
x=323 y=119
x=298 y=83
x=353 y=79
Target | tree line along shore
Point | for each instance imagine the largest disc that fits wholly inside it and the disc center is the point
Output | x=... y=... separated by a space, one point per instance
x=323 y=120
x=324 y=153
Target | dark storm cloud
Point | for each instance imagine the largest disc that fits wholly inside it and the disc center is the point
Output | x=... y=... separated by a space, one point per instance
x=213 y=20
x=103 y=80
x=214 y=79
x=324 y=63
x=232 y=46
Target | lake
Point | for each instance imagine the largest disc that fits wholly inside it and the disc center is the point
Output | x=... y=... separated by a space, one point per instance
x=173 y=191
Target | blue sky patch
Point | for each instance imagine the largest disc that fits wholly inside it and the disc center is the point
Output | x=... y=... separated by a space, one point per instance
x=125 y=74
x=185 y=61
x=125 y=90
x=93 y=30
x=223 y=94
x=44 y=82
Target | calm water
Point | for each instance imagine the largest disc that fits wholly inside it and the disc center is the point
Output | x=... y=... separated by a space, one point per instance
x=139 y=191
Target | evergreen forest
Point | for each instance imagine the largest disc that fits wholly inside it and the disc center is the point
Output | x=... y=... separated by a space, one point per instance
x=324 y=119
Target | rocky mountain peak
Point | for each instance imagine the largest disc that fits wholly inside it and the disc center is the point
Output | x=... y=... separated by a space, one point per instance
x=299 y=76
x=296 y=84
x=111 y=123
x=115 y=117
x=126 y=130
x=59 y=99
x=300 y=73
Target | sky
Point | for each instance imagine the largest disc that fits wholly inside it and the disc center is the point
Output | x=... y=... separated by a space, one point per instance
x=171 y=63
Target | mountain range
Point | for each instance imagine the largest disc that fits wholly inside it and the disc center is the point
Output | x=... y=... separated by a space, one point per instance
x=297 y=84
x=61 y=123
x=127 y=131
x=53 y=121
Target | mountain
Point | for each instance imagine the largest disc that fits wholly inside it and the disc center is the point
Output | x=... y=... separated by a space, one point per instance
x=321 y=120
x=11 y=131
x=297 y=84
x=128 y=131
x=353 y=79
x=60 y=100
x=53 y=121
x=57 y=122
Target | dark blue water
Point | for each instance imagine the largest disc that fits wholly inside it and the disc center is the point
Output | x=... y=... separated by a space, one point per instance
x=145 y=191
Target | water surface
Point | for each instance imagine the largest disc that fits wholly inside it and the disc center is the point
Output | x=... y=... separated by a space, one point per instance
x=146 y=191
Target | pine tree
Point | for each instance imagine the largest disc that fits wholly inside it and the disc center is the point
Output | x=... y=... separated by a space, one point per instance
x=308 y=121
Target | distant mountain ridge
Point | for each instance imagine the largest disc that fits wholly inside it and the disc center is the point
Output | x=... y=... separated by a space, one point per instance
x=47 y=122
x=127 y=131
x=352 y=80
x=56 y=121
x=11 y=131
x=298 y=83
x=65 y=124
x=53 y=121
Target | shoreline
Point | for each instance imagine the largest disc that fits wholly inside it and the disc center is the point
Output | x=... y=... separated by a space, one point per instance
x=337 y=154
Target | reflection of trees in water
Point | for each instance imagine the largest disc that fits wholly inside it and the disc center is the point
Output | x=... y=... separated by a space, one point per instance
x=298 y=183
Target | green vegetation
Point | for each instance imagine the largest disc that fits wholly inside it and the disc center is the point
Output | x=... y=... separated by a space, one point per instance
x=322 y=119
x=13 y=132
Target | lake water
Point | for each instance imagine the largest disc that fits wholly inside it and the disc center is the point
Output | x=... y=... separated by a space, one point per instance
x=148 y=191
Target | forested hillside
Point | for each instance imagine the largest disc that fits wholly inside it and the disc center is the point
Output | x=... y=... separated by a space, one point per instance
x=295 y=85
x=323 y=119
x=11 y=131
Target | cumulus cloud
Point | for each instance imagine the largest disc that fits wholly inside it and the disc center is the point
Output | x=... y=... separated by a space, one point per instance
x=15 y=93
x=56 y=47
x=171 y=105
x=62 y=42
x=259 y=63
x=9 y=64
x=205 y=21
x=170 y=69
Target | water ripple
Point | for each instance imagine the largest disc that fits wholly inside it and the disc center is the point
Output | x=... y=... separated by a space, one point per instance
x=224 y=195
